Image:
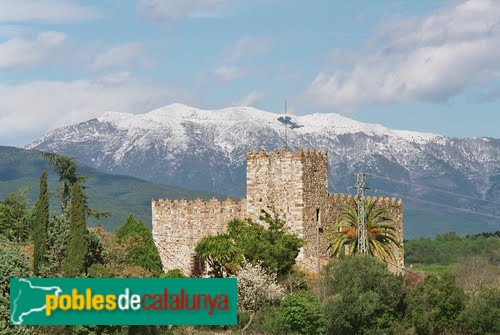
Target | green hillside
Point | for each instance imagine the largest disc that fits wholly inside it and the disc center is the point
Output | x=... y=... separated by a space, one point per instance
x=120 y=195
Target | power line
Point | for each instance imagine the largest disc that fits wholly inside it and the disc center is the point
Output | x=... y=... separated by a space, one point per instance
x=437 y=189
x=439 y=204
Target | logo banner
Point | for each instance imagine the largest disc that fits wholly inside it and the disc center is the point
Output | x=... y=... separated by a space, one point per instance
x=123 y=301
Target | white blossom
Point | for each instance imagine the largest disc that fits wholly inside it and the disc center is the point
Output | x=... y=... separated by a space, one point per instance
x=257 y=287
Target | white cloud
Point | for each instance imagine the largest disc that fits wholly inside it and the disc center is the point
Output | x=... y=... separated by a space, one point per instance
x=251 y=98
x=45 y=11
x=247 y=46
x=29 y=109
x=169 y=11
x=117 y=57
x=229 y=73
x=25 y=52
x=432 y=59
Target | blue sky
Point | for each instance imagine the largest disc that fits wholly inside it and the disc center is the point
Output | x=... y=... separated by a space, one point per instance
x=424 y=65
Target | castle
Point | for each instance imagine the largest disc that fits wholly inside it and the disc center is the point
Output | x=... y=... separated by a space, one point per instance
x=294 y=184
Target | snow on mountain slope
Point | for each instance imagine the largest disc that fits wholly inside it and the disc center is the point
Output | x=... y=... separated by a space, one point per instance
x=177 y=114
x=205 y=149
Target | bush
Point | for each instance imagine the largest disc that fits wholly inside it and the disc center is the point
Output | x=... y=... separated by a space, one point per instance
x=97 y=330
x=174 y=273
x=435 y=304
x=268 y=321
x=99 y=271
x=13 y=263
x=482 y=317
x=363 y=297
x=302 y=314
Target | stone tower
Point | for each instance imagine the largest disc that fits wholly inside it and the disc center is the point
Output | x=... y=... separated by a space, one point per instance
x=294 y=184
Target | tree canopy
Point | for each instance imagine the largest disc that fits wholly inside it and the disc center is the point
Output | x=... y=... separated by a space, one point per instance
x=362 y=297
x=77 y=241
x=41 y=226
x=248 y=241
x=140 y=248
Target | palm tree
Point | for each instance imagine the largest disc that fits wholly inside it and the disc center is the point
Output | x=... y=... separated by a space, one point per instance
x=380 y=232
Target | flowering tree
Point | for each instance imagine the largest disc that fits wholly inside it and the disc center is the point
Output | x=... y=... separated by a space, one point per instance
x=256 y=288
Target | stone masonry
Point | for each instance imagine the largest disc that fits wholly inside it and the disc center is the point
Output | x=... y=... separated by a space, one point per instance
x=294 y=184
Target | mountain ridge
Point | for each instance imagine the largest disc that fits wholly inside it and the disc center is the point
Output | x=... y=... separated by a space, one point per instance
x=205 y=149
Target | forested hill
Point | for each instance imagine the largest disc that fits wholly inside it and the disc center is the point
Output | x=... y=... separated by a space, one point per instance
x=120 y=195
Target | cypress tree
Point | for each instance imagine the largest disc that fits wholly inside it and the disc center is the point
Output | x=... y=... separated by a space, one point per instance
x=77 y=242
x=41 y=226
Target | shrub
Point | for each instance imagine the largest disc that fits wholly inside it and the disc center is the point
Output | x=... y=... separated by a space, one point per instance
x=174 y=273
x=482 y=316
x=302 y=314
x=13 y=263
x=363 y=297
x=268 y=320
x=435 y=304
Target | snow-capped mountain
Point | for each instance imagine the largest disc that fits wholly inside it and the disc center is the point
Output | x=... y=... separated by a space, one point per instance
x=205 y=149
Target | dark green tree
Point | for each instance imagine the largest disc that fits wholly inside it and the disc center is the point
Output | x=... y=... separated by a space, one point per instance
x=95 y=252
x=138 y=245
x=363 y=297
x=435 y=305
x=279 y=248
x=16 y=217
x=302 y=314
x=77 y=241
x=41 y=226
x=66 y=168
x=57 y=246
x=482 y=316
x=220 y=253
x=245 y=240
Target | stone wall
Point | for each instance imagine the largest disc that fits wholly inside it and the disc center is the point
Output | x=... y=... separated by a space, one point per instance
x=333 y=210
x=178 y=226
x=294 y=184
x=274 y=180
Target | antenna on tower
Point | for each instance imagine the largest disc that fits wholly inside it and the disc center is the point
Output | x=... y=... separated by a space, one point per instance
x=286 y=126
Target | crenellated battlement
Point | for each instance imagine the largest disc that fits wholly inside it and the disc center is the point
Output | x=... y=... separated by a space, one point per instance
x=340 y=197
x=195 y=202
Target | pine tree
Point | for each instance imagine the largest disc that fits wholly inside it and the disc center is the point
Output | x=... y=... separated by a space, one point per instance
x=41 y=226
x=77 y=244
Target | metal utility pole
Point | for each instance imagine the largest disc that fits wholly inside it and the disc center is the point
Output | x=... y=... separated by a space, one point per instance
x=361 y=186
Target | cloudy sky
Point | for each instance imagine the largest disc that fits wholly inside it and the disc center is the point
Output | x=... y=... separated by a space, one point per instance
x=425 y=65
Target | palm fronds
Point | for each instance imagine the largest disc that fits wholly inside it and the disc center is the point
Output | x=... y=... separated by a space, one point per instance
x=381 y=232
